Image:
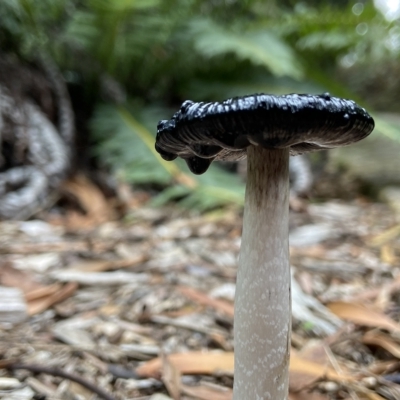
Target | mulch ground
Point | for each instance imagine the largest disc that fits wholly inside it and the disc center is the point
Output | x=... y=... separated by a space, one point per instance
x=141 y=307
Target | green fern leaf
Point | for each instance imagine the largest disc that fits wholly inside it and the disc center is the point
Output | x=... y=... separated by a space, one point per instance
x=261 y=47
x=126 y=144
x=388 y=126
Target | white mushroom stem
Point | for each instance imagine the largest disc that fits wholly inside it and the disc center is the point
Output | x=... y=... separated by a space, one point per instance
x=262 y=323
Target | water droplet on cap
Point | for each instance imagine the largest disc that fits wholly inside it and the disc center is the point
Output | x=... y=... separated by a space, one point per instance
x=198 y=165
x=165 y=124
x=326 y=95
x=186 y=104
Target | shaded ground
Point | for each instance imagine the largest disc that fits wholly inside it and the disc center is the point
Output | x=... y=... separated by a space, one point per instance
x=113 y=301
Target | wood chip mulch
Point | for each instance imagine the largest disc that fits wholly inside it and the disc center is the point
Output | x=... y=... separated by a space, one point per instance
x=142 y=307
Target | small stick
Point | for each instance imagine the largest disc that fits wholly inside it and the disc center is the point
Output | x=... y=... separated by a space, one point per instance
x=54 y=371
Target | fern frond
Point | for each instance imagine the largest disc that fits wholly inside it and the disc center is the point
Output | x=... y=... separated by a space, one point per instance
x=127 y=145
x=147 y=139
x=388 y=126
x=332 y=40
x=260 y=47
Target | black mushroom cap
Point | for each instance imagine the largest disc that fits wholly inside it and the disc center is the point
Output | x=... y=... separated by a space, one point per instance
x=202 y=132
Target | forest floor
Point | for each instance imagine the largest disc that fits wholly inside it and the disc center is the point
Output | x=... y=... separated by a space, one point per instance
x=142 y=307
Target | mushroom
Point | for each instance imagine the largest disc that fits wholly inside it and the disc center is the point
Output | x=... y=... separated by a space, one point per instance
x=267 y=129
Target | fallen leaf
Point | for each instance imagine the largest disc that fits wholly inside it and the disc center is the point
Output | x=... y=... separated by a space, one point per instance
x=388 y=255
x=38 y=297
x=373 y=396
x=316 y=370
x=22 y=280
x=171 y=377
x=371 y=294
x=300 y=379
x=41 y=304
x=90 y=199
x=205 y=300
x=78 y=391
x=206 y=393
x=101 y=265
x=361 y=315
x=191 y=363
x=110 y=310
x=383 y=367
x=307 y=396
x=42 y=291
x=385 y=236
x=382 y=340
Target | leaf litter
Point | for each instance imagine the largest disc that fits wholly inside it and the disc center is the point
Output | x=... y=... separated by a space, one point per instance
x=141 y=307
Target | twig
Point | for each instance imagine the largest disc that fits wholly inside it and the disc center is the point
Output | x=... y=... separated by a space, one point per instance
x=54 y=371
x=60 y=246
x=339 y=370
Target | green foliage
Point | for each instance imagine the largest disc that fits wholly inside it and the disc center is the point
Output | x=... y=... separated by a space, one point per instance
x=164 y=52
x=260 y=47
x=387 y=126
x=106 y=31
x=135 y=160
x=138 y=162
x=28 y=25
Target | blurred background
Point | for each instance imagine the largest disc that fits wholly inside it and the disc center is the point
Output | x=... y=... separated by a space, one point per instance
x=128 y=64
x=110 y=256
